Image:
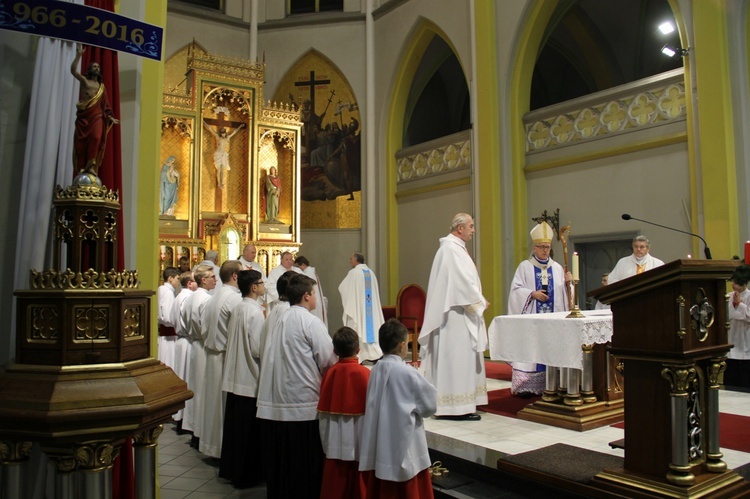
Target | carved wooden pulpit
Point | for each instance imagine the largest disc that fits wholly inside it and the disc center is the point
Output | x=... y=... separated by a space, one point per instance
x=670 y=329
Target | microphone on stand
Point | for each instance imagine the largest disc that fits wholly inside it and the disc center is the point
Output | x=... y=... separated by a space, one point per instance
x=706 y=250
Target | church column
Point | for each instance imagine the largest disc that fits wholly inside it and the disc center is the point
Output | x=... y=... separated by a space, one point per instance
x=550 y=389
x=587 y=377
x=487 y=193
x=681 y=379
x=94 y=460
x=145 y=445
x=714 y=463
x=14 y=455
x=65 y=465
x=369 y=188
x=573 y=381
x=711 y=132
x=253 y=55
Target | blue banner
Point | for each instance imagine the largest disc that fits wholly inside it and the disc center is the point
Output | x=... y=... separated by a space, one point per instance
x=79 y=23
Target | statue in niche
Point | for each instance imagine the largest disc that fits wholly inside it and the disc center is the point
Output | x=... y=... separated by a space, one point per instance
x=221 y=153
x=170 y=182
x=273 y=193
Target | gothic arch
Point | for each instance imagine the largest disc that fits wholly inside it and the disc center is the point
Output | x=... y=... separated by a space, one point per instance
x=416 y=43
x=330 y=110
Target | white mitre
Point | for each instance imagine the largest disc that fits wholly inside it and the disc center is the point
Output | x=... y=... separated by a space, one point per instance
x=542 y=233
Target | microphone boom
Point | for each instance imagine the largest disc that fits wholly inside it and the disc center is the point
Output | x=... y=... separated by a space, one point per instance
x=706 y=250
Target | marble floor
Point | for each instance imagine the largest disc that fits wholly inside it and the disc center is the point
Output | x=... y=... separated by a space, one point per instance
x=186 y=473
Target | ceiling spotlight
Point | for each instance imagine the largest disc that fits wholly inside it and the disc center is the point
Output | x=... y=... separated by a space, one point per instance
x=670 y=51
x=666 y=28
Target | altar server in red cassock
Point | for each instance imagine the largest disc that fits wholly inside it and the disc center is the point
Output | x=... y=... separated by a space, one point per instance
x=341 y=412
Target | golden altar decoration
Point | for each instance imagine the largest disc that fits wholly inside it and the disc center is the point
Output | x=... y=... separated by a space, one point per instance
x=236 y=161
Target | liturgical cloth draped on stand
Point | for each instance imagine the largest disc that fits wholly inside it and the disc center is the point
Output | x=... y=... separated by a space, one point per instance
x=583 y=388
x=550 y=339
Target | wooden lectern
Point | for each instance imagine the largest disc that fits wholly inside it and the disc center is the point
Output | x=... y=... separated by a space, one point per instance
x=670 y=329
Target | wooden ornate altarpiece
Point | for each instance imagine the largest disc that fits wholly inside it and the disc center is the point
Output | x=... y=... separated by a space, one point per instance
x=214 y=119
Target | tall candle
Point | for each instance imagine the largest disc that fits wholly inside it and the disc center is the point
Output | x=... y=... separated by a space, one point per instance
x=747 y=253
x=575 y=265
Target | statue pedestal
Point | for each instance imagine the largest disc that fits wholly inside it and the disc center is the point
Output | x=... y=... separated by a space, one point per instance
x=271 y=228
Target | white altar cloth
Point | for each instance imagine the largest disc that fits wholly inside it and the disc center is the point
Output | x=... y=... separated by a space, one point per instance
x=549 y=339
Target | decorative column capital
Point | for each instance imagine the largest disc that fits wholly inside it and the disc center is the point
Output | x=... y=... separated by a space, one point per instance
x=680 y=378
x=63 y=463
x=94 y=456
x=715 y=369
x=14 y=451
x=148 y=437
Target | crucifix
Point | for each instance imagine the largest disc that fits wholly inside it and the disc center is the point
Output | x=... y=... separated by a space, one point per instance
x=312 y=83
x=221 y=152
x=308 y=116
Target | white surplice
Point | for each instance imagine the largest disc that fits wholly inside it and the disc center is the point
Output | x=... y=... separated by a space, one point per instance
x=242 y=361
x=214 y=327
x=739 y=327
x=321 y=307
x=393 y=436
x=362 y=310
x=182 y=346
x=165 y=344
x=298 y=352
x=453 y=335
x=628 y=266
x=271 y=320
x=192 y=312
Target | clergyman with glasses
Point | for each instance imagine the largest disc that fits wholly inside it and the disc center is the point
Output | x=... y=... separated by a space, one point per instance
x=538 y=287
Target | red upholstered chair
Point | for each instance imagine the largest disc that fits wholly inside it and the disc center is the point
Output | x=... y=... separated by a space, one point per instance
x=389 y=312
x=410 y=304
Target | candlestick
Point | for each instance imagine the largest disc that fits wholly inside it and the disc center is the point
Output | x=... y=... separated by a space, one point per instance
x=575 y=313
x=575 y=265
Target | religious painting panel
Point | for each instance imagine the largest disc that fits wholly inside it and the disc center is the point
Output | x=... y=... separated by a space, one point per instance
x=330 y=147
x=226 y=116
x=175 y=173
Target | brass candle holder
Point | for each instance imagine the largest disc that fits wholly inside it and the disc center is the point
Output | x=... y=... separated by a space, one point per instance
x=576 y=312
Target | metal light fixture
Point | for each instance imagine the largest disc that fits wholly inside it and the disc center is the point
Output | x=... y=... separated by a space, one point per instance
x=670 y=51
x=666 y=27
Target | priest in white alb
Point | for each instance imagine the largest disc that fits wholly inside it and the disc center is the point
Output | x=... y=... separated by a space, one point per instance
x=453 y=335
x=360 y=298
x=248 y=259
x=637 y=263
x=538 y=287
x=272 y=294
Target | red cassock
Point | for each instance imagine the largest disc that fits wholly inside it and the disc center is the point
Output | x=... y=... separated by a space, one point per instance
x=343 y=392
